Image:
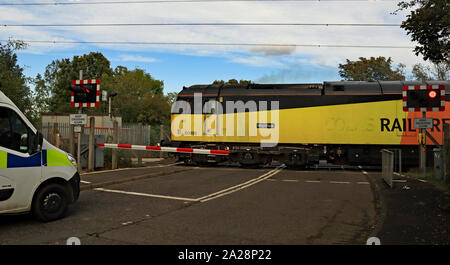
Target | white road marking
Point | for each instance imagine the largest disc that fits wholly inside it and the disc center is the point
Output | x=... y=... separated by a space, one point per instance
x=318 y=181
x=363 y=183
x=146 y=195
x=85 y=182
x=241 y=186
x=399 y=180
x=364 y=172
x=129 y=168
x=204 y=198
x=339 y=182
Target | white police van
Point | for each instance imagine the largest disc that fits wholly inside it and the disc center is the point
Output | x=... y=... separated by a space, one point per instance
x=34 y=175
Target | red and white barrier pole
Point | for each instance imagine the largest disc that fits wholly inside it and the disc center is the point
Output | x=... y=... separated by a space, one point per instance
x=166 y=149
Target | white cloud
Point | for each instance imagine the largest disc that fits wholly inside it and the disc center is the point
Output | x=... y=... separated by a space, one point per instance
x=135 y=58
x=276 y=12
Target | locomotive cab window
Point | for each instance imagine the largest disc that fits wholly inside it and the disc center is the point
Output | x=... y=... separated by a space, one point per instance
x=14 y=133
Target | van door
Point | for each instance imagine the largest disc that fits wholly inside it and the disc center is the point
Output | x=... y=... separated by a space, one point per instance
x=20 y=169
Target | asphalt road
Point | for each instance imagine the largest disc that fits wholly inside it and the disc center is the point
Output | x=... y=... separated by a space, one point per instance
x=174 y=204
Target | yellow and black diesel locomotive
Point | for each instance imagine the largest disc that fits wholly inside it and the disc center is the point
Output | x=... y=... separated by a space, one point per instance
x=300 y=124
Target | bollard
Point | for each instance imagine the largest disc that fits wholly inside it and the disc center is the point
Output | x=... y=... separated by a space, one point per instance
x=71 y=140
x=91 y=144
x=139 y=140
x=161 y=137
x=115 y=141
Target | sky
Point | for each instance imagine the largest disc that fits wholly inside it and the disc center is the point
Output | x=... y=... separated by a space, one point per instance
x=186 y=65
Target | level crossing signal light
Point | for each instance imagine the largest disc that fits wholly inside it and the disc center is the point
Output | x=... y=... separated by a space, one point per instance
x=424 y=98
x=85 y=93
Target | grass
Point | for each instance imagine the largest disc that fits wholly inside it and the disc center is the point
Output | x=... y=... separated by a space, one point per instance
x=429 y=177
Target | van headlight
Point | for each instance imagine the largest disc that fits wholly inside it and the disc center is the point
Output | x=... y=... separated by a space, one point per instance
x=72 y=160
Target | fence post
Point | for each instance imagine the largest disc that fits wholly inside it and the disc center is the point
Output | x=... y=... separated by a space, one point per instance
x=56 y=134
x=115 y=141
x=71 y=140
x=444 y=150
x=91 y=144
x=139 y=153
x=161 y=137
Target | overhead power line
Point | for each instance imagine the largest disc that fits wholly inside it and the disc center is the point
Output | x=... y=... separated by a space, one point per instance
x=201 y=24
x=218 y=44
x=172 y=1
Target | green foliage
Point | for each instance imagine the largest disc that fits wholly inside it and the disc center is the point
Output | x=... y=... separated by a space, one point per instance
x=172 y=97
x=232 y=82
x=60 y=73
x=429 y=25
x=373 y=69
x=439 y=71
x=421 y=72
x=139 y=97
x=12 y=80
x=41 y=96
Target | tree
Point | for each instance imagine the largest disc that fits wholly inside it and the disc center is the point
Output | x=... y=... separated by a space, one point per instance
x=429 y=25
x=139 y=95
x=172 y=97
x=373 y=69
x=41 y=96
x=12 y=80
x=155 y=110
x=232 y=82
x=439 y=71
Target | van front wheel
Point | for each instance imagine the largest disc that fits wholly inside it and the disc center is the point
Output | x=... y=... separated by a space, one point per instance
x=50 y=203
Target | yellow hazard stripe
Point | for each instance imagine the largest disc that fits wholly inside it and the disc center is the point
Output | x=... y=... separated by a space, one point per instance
x=56 y=158
x=3 y=159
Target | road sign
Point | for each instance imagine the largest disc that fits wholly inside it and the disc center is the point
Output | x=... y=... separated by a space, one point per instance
x=424 y=98
x=77 y=129
x=78 y=119
x=423 y=123
x=85 y=93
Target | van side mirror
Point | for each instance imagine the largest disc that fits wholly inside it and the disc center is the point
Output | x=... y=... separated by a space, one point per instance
x=35 y=142
x=40 y=139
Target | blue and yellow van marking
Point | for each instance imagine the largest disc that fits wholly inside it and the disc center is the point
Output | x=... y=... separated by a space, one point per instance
x=45 y=157
x=3 y=159
x=56 y=158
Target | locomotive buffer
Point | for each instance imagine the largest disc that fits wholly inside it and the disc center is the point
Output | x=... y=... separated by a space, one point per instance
x=423 y=99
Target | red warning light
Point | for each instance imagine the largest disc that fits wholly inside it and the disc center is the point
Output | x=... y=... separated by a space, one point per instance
x=432 y=94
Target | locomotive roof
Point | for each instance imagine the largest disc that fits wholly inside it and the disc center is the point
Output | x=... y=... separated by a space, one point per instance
x=327 y=88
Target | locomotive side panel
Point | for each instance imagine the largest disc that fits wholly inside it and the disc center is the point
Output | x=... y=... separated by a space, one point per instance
x=347 y=121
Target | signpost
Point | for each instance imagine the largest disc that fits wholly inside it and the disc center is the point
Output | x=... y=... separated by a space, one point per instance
x=423 y=123
x=85 y=93
x=78 y=119
x=422 y=99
